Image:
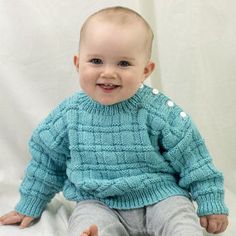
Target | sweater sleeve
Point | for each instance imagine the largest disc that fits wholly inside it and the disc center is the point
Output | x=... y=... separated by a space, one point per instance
x=183 y=146
x=46 y=172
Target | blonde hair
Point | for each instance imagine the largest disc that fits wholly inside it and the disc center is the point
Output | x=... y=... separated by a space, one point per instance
x=121 y=15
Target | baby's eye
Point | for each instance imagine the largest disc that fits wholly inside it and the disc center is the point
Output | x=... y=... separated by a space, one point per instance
x=124 y=64
x=96 y=61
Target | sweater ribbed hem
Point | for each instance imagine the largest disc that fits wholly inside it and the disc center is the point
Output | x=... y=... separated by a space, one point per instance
x=30 y=206
x=137 y=198
x=211 y=204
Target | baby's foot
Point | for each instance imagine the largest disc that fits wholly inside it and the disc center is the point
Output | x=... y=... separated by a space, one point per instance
x=91 y=231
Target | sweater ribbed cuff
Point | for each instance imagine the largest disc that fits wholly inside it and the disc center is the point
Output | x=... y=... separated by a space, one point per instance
x=212 y=203
x=31 y=206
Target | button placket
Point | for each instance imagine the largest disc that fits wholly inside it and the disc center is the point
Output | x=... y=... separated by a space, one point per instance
x=155 y=91
x=170 y=103
x=183 y=114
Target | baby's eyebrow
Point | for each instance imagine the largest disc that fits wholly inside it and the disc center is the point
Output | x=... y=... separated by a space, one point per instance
x=118 y=58
x=94 y=55
x=128 y=58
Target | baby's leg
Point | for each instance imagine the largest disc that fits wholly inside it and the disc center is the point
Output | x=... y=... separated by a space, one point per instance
x=174 y=216
x=90 y=213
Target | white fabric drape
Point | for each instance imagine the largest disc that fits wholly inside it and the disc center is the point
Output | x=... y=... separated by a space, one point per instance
x=195 y=55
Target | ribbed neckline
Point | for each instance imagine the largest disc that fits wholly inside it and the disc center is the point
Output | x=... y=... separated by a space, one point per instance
x=132 y=104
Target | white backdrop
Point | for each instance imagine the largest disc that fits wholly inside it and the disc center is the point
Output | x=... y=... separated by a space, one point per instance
x=195 y=53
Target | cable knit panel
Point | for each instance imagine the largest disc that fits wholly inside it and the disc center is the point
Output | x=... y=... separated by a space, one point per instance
x=127 y=155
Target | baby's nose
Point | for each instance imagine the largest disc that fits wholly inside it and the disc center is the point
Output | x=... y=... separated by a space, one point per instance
x=109 y=72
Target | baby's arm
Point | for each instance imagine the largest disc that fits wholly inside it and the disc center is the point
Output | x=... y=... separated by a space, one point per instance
x=14 y=217
x=185 y=149
x=45 y=173
x=214 y=223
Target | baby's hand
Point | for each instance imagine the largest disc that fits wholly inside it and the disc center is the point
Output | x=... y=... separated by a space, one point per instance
x=214 y=223
x=14 y=217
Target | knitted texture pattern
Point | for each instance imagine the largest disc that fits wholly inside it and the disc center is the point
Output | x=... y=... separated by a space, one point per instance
x=128 y=155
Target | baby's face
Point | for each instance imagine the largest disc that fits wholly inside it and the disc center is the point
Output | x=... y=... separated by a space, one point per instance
x=112 y=62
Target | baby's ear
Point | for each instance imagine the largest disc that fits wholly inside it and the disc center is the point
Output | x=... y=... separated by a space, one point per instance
x=76 y=62
x=149 y=68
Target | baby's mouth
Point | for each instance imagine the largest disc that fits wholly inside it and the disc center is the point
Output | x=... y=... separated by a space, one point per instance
x=108 y=87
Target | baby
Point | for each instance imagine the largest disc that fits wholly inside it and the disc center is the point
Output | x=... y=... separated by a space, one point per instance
x=129 y=156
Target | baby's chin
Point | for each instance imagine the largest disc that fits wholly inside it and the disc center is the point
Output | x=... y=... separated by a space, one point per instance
x=113 y=98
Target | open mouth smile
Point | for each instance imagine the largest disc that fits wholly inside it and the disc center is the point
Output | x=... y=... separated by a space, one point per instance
x=108 y=87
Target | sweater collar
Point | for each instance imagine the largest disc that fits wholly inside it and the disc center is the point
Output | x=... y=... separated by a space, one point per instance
x=130 y=105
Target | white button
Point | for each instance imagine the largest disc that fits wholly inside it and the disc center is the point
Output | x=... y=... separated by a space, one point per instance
x=155 y=91
x=170 y=103
x=183 y=114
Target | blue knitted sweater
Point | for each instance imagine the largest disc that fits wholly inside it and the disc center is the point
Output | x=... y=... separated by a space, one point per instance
x=128 y=155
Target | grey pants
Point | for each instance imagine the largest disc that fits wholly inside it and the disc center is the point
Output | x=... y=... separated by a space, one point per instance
x=174 y=216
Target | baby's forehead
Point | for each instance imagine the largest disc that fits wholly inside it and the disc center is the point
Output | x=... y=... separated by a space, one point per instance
x=125 y=25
